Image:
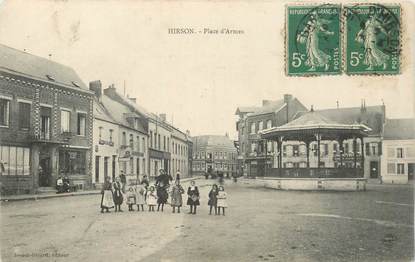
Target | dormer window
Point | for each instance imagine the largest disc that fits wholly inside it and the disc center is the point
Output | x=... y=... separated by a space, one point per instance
x=50 y=77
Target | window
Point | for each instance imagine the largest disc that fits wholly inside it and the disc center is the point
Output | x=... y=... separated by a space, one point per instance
x=159 y=146
x=4 y=112
x=81 y=124
x=326 y=149
x=138 y=145
x=296 y=150
x=335 y=148
x=399 y=152
x=143 y=141
x=400 y=169
x=374 y=149
x=261 y=126
x=253 y=128
x=24 y=115
x=124 y=139
x=45 y=114
x=65 y=121
x=168 y=144
x=100 y=132
x=269 y=124
x=132 y=142
x=15 y=160
x=72 y=162
x=151 y=139
x=111 y=134
x=346 y=148
x=315 y=150
x=164 y=143
x=367 y=145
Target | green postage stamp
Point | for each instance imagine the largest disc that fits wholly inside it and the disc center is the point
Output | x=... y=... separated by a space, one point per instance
x=372 y=39
x=313 y=40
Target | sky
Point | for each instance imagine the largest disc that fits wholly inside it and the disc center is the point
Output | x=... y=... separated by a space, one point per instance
x=198 y=80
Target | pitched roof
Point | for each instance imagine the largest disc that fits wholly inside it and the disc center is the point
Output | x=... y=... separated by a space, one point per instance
x=28 y=65
x=314 y=120
x=271 y=107
x=119 y=112
x=371 y=116
x=246 y=109
x=101 y=112
x=213 y=141
x=399 y=129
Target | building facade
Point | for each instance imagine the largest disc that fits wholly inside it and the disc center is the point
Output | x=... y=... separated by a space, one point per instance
x=258 y=155
x=398 y=159
x=132 y=135
x=214 y=154
x=179 y=153
x=45 y=124
x=255 y=154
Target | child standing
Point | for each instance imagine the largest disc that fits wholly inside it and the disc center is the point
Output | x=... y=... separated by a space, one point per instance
x=176 y=196
x=193 y=197
x=140 y=196
x=117 y=194
x=222 y=200
x=151 y=199
x=130 y=199
x=213 y=199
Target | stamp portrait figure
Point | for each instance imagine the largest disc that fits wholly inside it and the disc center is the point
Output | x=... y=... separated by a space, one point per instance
x=310 y=36
x=368 y=37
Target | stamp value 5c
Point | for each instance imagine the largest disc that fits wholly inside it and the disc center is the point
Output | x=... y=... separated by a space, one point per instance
x=313 y=40
x=372 y=39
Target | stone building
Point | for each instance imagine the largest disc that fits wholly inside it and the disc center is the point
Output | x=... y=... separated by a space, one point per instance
x=398 y=158
x=132 y=134
x=214 y=154
x=179 y=153
x=254 y=154
x=45 y=124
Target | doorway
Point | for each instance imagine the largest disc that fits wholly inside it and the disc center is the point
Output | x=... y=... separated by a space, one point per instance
x=374 y=169
x=44 y=172
x=411 y=171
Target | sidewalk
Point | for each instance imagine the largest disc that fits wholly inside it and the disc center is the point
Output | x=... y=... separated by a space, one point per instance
x=82 y=193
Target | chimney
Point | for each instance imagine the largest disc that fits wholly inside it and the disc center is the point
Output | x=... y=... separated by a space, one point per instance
x=266 y=102
x=110 y=91
x=163 y=117
x=133 y=99
x=287 y=100
x=96 y=87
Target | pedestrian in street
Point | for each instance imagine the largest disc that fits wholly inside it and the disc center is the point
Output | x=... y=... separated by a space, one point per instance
x=117 y=193
x=222 y=200
x=213 y=199
x=66 y=184
x=151 y=198
x=107 y=200
x=193 y=197
x=140 y=193
x=177 y=175
x=145 y=182
x=131 y=198
x=176 y=196
x=123 y=180
x=162 y=184
x=59 y=185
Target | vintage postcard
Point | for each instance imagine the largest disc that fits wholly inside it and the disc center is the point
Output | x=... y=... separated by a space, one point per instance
x=226 y=130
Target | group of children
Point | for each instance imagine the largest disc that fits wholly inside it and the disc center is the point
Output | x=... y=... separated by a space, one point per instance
x=144 y=194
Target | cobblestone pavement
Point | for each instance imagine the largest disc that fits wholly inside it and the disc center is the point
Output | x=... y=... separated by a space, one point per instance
x=260 y=225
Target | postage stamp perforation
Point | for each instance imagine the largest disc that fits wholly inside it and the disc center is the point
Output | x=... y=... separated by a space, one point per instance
x=308 y=50
x=373 y=59
x=375 y=33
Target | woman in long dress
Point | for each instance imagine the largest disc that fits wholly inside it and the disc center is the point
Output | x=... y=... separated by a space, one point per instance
x=176 y=196
x=310 y=37
x=367 y=36
x=107 y=200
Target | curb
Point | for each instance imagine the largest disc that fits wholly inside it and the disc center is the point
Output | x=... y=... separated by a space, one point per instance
x=98 y=192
